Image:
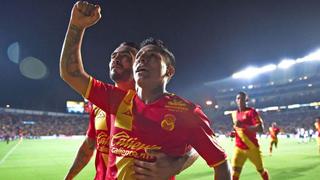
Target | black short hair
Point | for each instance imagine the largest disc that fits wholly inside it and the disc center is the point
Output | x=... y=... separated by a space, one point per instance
x=161 y=45
x=131 y=44
x=242 y=93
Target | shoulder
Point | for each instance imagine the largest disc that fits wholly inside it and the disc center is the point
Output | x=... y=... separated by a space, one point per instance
x=179 y=104
x=252 y=110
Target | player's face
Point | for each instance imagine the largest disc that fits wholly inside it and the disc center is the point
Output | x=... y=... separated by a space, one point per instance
x=120 y=66
x=150 y=67
x=241 y=100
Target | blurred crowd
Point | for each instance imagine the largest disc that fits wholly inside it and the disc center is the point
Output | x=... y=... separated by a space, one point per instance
x=34 y=126
x=289 y=121
x=14 y=125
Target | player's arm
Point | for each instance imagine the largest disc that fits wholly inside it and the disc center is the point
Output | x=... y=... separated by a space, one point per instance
x=258 y=123
x=256 y=128
x=204 y=142
x=222 y=171
x=165 y=166
x=84 y=155
x=83 y=15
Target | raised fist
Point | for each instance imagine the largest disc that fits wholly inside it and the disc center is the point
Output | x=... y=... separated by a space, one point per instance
x=84 y=14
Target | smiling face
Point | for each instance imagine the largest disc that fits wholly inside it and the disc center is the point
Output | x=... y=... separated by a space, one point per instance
x=151 y=67
x=120 y=66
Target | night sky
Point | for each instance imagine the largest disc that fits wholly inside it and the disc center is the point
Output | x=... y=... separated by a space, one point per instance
x=210 y=39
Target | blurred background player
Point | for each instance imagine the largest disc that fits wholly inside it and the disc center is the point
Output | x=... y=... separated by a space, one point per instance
x=273 y=131
x=317 y=125
x=247 y=123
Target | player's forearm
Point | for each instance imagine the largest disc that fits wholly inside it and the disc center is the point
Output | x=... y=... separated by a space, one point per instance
x=188 y=159
x=82 y=159
x=71 y=66
x=222 y=172
x=256 y=128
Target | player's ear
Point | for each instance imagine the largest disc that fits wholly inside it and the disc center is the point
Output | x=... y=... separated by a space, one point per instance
x=170 y=71
x=247 y=98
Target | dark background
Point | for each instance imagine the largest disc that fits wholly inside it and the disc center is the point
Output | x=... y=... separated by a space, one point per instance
x=211 y=40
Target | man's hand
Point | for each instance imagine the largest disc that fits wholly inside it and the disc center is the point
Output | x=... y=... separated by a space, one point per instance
x=84 y=14
x=163 y=168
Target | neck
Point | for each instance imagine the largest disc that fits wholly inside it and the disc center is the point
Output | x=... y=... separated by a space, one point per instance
x=125 y=85
x=150 y=94
x=242 y=108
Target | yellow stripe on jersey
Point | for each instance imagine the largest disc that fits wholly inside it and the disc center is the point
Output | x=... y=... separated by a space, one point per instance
x=125 y=170
x=258 y=120
x=100 y=121
x=218 y=163
x=245 y=139
x=124 y=116
x=88 y=88
x=234 y=116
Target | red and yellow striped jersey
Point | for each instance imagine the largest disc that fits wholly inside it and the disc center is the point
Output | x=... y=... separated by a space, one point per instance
x=99 y=130
x=274 y=131
x=317 y=125
x=170 y=124
x=246 y=139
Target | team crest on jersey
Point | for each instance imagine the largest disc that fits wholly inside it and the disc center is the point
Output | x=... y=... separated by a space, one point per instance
x=168 y=122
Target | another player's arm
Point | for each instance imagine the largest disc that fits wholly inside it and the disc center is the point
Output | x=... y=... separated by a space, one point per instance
x=188 y=159
x=222 y=171
x=258 y=123
x=83 y=15
x=165 y=166
x=204 y=141
x=84 y=155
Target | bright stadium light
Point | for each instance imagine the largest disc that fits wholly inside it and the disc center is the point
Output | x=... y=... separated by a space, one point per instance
x=209 y=103
x=252 y=72
x=286 y=63
x=314 y=56
x=267 y=68
x=248 y=73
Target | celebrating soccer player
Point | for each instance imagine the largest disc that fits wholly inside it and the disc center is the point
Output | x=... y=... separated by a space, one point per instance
x=247 y=123
x=151 y=119
x=273 y=131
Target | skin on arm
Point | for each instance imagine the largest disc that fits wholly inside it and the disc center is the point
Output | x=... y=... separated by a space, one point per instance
x=83 y=15
x=222 y=171
x=84 y=155
x=164 y=167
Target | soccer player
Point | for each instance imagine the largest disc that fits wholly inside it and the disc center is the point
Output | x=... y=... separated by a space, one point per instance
x=273 y=131
x=151 y=118
x=247 y=123
x=98 y=132
x=317 y=125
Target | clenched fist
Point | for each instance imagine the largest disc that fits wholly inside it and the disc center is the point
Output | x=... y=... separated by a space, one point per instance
x=84 y=14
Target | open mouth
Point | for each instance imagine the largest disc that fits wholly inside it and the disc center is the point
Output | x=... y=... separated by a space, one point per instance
x=141 y=69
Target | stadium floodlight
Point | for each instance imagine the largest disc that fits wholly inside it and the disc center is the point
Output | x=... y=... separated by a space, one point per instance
x=209 y=102
x=314 y=56
x=252 y=72
x=286 y=63
x=248 y=73
x=7 y=106
x=293 y=106
x=267 y=68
